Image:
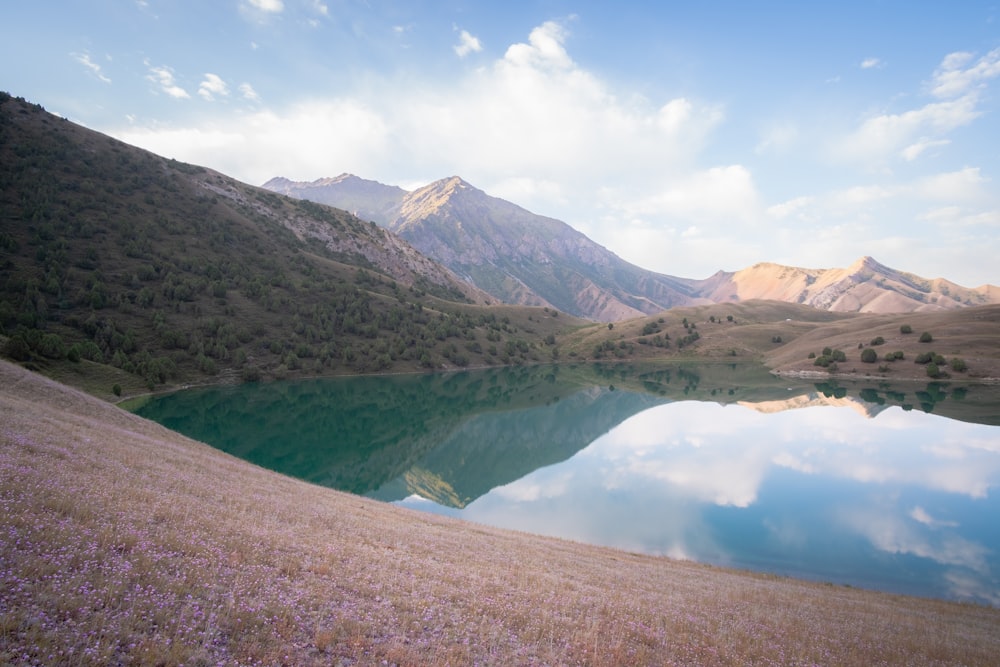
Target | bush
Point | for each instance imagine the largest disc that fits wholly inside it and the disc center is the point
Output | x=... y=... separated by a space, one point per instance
x=926 y=337
x=116 y=390
x=869 y=356
x=924 y=358
x=17 y=348
x=878 y=340
x=906 y=328
x=958 y=364
x=933 y=371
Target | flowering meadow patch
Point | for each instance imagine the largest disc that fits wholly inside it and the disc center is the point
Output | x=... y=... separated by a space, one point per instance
x=124 y=543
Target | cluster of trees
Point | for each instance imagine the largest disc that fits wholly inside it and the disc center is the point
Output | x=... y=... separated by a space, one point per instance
x=935 y=363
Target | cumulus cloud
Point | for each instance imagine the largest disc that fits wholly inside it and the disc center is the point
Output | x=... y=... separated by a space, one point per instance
x=269 y=6
x=545 y=48
x=92 y=67
x=211 y=86
x=871 y=63
x=467 y=44
x=955 y=76
x=164 y=78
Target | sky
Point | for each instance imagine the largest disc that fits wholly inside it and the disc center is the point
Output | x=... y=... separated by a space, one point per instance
x=686 y=137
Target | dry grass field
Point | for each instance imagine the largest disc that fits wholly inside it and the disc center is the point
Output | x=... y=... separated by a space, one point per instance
x=122 y=543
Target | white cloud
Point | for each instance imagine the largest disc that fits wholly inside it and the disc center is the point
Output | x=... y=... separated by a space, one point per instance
x=164 y=78
x=915 y=150
x=270 y=6
x=966 y=185
x=544 y=48
x=921 y=515
x=953 y=79
x=777 y=138
x=889 y=134
x=94 y=68
x=790 y=207
x=871 y=63
x=467 y=44
x=320 y=7
x=297 y=143
x=211 y=86
x=720 y=193
x=248 y=93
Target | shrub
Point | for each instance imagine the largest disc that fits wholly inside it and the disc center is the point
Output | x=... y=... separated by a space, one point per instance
x=869 y=356
x=116 y=390
x=878 y=340
x=924 y=358
x=926 y=337
x=958 y=364
x=906 y=328
x=933 y=371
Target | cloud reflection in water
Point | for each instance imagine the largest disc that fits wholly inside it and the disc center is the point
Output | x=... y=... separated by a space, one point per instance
x=896 y=502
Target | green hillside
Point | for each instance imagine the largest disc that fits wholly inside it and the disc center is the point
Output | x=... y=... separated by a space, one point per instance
x=121 y=267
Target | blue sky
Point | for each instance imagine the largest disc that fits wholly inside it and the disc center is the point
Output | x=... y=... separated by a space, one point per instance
x=686 y=137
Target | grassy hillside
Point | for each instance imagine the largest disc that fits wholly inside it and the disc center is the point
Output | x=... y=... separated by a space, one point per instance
x=790 y=338
x=162 y=273
x=124 y=543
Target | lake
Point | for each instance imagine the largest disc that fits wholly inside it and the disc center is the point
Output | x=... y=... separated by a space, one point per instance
x=888 y=487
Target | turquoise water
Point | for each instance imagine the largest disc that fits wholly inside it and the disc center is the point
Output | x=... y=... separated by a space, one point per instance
x=862 y=485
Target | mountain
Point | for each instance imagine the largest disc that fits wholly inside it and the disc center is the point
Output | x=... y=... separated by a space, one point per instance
x=521 y=257
x=865 y=286
x=506 y=250
x=118 y=261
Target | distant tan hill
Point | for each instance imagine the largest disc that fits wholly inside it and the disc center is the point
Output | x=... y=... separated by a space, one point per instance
x=865 y=287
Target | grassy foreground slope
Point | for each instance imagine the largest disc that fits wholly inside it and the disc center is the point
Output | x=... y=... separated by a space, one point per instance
x=124 y=543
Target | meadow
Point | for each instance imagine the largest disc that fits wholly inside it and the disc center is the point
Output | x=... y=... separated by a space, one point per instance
x=124 y=543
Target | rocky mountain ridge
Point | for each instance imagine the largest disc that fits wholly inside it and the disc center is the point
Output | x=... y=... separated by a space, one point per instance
x=524 y=258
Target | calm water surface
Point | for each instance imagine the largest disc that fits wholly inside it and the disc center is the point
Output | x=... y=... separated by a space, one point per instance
x=885 y=487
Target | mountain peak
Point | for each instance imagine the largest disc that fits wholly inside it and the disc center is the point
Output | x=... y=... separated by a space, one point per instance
x=451 y=184
x=866 y=263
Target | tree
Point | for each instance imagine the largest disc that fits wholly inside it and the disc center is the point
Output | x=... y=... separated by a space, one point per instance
x=869 y=356
x=958 y=364
x=926 y=337
x=906 y=328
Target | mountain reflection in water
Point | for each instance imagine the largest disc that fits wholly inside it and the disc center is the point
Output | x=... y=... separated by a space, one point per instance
x=861 y=484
